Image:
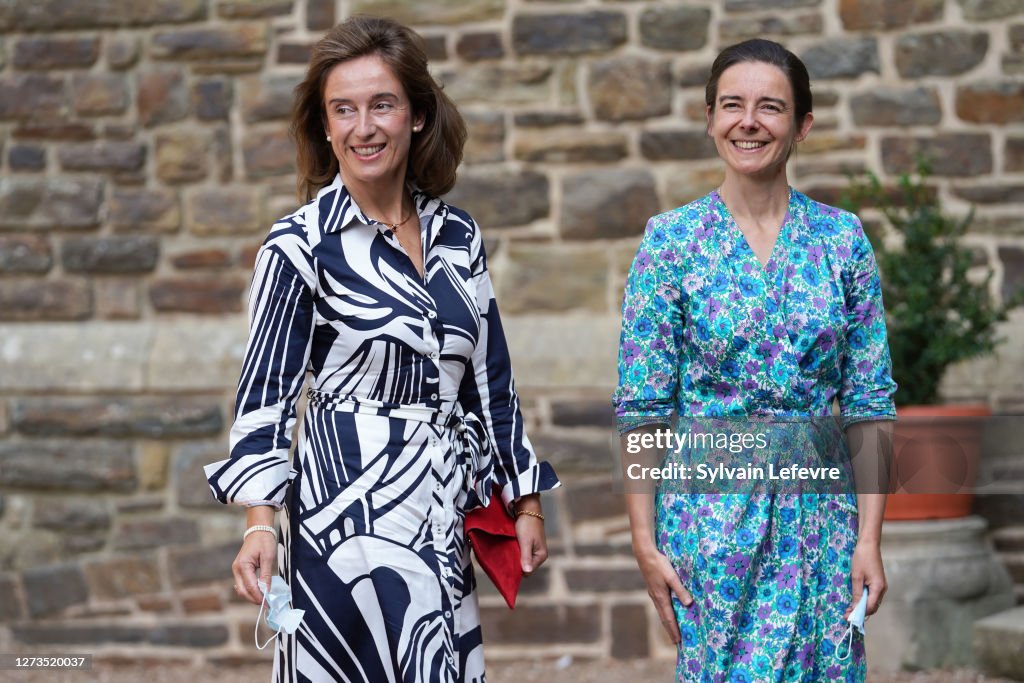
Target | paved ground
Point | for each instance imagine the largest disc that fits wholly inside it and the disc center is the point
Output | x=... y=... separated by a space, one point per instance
x=540 y=672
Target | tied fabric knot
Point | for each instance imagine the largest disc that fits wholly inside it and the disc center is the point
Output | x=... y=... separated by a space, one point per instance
x=477 y=455
x=280 y=616
x=856 y=620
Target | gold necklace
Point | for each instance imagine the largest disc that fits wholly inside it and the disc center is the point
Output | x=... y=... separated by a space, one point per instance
x=394 y=226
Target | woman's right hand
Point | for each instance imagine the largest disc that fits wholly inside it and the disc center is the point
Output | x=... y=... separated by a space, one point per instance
x=254 y=562
x=662 y=582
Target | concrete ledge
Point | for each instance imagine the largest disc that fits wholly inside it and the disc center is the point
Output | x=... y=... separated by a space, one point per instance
x=999 y=644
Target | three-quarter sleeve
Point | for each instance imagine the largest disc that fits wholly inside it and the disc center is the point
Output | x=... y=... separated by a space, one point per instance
x=652 y=327
x=488 y=391
x=280 y=333
x=867 y=386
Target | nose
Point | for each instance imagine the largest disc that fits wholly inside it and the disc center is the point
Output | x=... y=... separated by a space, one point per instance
x=365 y=127
x=749 y=119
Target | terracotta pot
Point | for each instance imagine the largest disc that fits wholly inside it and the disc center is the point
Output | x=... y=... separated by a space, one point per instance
x=935 y=464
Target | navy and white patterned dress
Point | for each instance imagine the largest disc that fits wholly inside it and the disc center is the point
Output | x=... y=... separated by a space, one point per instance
x=412 y=415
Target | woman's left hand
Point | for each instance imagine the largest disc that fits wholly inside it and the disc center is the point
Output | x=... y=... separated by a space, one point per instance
x=533 y=545
x=866 y=570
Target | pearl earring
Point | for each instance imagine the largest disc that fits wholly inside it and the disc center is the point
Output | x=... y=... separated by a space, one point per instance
x=328 y=138
x=416 y=129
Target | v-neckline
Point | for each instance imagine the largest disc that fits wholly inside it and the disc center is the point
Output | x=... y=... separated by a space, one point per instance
x=742 y=239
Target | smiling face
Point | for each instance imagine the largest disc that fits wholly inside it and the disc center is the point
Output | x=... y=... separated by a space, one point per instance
x=370 y=121
x=752 y=121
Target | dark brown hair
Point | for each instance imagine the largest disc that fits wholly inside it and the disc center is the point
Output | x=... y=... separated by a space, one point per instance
x=435 y=152
x=768 y=52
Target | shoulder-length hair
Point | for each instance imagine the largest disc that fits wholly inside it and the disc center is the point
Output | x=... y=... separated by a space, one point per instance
x=435 y=152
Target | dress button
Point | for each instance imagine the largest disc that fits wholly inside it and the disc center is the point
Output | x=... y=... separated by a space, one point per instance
x=431 y=315
x=435 y=355
x=433 y=397
x=447 y=614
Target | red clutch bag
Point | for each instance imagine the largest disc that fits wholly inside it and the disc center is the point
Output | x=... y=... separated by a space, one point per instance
x=492 y=534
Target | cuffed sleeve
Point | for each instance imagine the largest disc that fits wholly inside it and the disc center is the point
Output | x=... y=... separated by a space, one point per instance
x=488 y=390
x=867 y=385
x=651 y=335
x=277 y=352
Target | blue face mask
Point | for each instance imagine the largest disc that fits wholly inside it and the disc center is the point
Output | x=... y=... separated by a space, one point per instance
x=280 y=617
x=856 y=620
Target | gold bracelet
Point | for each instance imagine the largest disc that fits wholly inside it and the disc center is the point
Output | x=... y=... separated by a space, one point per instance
x=531 y=513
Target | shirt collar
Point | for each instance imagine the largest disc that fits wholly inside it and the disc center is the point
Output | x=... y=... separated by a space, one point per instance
x=337 y=209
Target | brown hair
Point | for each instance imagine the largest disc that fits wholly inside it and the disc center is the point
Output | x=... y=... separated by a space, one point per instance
x=435 y=152
x=768 y=52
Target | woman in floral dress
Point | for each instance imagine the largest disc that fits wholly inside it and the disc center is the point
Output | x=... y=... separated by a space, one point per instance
x=757 y=302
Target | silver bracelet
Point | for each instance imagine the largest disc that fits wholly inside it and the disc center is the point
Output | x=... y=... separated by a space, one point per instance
x=259 y=527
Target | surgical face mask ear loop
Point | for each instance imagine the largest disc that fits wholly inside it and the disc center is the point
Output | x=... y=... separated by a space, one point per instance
x=259 y=618
x=856 y=620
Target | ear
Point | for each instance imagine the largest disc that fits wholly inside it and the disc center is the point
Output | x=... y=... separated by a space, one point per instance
x=805 y=127
x=710 y=116
x=417 y=122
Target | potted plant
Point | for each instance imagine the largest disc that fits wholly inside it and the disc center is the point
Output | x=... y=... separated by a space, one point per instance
x=938 y=313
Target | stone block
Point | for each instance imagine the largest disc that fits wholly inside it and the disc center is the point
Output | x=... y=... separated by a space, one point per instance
x=202 y=602
x=268 y=153
x=603 y=579
x=951 y=154
x=49 y=203
x=880 y=15
x=940 y=53
x=995 y=193
x=319 y=14
x=991 y=102
x=110 y=156
x=191 y=566
x=1014 y=155
x=571 y=146
x=225 y=211
x=753 y=5
x=50 y=590
x=211 y=99
x=31 y=97
x=67 y=465
x=122 y=52
x=206 y=295
x=98 y=94
x=56 y=53
x=675 y=28
x=10 y=599
x=535 y=281
x=120 y=577
x=542 y=624
x=476 y=46
x=686 y=145
x=155 y=532
x=499 y=84
x=831 y=142
x=173 y=364
x=582 y=413
x=537 y=344
x=181 y=156
x=254 y=9
x=486 y=141
x=436 y=47
x=25 y=254
x=144 y=210
x=190 y=486
x=51 y=15
x=986 y=10
x=594 y=500
x=607 y=204
x=45 y=299
x=842 y=58
x=113 y=416
x=192 y=635
x=1012 y=259
x=201 y=258
x=161 y=96
x=501 y=198
x=744 y=28
x=71 y=514
x=629 y=632
x=220 y=42
x=630 y=88
x=294 y=53
x=438 y=12
x=546 y=119
x=267 y=98
x=568 y=34
x=26 y=158
x=999 y=643
x=123 y=254
x=77 y=634
x=684 y=185
x=896 y=107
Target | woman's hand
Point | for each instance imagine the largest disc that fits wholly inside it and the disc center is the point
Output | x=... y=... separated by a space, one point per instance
x=662 y=582
x=533 y=545
x=254 y=562
x=866 y=570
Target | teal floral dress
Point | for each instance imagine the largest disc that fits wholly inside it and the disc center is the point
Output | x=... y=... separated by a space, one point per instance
x=708 y=331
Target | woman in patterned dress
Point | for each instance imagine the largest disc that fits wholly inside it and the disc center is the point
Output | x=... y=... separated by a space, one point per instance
x=757 y=302
x=376 y=294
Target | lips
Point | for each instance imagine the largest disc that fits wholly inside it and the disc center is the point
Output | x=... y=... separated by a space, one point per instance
x=368 y=150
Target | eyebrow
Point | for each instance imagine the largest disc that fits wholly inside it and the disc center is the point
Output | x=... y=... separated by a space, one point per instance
x=377 y=96
x=775 y=100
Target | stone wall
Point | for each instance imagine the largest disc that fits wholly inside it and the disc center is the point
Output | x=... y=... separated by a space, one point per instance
x=144 y=153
